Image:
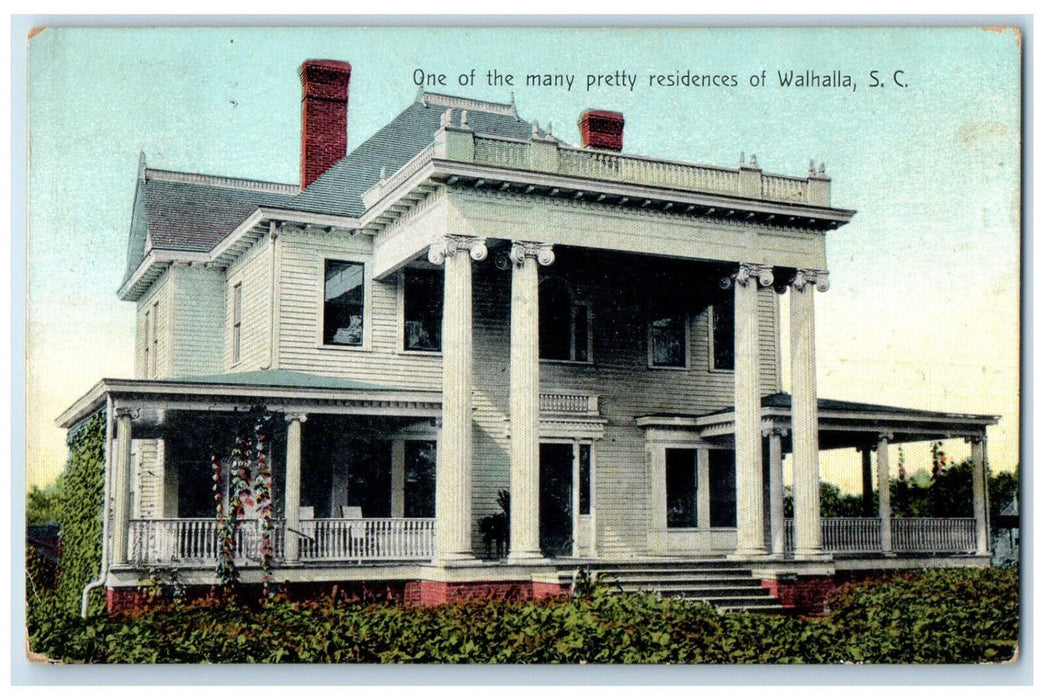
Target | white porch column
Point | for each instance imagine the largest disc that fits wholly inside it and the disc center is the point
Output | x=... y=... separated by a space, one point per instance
x=703 y=499
x=121 y=494
x=808 y=535
x=453 y=470
x=292 y=488
x=524 y=537
x=775 y=470
x=884 y=494
x=980 y=495
x=750 y=518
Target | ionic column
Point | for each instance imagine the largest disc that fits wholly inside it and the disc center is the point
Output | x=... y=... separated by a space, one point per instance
x=121 y=493
x=398 y=478
x=524 y=537
x=980 y=497
x=750 y=518
x=808 y=536
x=292 y=488
x=884 y=494
x=453 y=468
x=775 y=471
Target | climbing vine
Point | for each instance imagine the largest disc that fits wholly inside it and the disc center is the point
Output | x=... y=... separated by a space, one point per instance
x=79 y=510
x=249 y=486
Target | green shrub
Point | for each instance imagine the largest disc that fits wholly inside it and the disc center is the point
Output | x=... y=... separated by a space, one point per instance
x=935 y=617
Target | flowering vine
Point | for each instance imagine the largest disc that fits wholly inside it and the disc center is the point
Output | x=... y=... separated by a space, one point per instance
x=940 y=463
x=902 y=464
x=249 y=486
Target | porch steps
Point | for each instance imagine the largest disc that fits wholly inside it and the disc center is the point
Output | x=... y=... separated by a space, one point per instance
x=727 y=586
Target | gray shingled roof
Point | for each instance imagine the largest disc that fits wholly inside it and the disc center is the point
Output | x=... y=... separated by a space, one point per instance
x=189 y=216
x=339 y=190
x=196 y=217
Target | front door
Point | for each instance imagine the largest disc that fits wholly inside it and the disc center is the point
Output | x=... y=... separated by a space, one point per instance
x=556 y=499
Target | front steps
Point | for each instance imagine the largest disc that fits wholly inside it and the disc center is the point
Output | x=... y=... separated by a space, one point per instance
x=727 y=586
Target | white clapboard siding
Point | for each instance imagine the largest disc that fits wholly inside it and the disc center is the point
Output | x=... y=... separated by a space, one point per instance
x=302 y=257
x=252 y=270
x=160 y=352
x=199 y=314
x=149 y=478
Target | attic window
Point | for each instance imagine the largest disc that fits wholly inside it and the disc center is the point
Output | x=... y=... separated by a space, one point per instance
x=343 y=303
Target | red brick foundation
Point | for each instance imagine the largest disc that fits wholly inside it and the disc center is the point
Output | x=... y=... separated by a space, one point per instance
x=429 y=593
x=802 y=593
x=410 y=593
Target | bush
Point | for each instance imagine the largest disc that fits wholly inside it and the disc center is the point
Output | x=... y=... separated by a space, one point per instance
x=935 y=617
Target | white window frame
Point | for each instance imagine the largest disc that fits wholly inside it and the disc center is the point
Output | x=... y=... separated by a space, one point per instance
x=237 y=322
x=367 y=335
x=400 y=321
x=574 y=305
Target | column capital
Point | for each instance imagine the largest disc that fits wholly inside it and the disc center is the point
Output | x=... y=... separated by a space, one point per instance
x=543 y=252
x=451 y=244
x=975 y=439
x=885 y=437
x=131 y=413
x=298 y=417
x=770 y=430
x=820 y=279
x=762 y=274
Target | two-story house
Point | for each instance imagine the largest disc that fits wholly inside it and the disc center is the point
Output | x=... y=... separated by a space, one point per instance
x=466 y=305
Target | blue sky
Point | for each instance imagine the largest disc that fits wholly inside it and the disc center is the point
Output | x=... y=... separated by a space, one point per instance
x=923 y=309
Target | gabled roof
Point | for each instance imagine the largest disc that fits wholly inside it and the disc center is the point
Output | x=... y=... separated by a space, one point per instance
x=193 y=213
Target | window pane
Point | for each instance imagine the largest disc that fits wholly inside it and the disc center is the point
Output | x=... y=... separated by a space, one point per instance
x=668 y=342
x=724 y=320
x=419 y=489
x=343 y=307
x=555 y=320
x=681 y=487
x=722 y=488
x=580 y=337
x=422 y=301
x=585 y=479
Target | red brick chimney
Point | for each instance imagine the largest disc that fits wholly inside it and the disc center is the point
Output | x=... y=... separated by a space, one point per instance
x=324 y=116
x=601 y=129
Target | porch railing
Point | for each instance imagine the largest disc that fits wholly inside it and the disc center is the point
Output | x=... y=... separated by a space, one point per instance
x=195 y=540
x=368 y=539
x=909 y=535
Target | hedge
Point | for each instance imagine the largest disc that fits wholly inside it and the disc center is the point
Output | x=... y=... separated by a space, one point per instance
x=945 y=616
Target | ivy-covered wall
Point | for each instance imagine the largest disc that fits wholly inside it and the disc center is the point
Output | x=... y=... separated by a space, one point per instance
x=80 y=511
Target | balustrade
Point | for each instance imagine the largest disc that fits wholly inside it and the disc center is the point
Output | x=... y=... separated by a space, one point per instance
x=195 y=540
x=909 y=535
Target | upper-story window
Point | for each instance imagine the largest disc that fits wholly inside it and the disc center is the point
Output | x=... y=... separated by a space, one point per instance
x=422 y=310
x=669 y=341
x=565 y=326
x=237 y=321
x=722 y=334
x=148 y=343
x=343 y=303
x=155 y=339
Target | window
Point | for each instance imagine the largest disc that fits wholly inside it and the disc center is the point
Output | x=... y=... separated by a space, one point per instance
x=722 y=334
x=343 y=303
x=148 y=343
x=237 y=320
x=419 y=486
x=722 y=472
x=681 y=487
x=668 y=346
x=585 y=480
x=564 y=325
x=422 y=310
x=155 y=338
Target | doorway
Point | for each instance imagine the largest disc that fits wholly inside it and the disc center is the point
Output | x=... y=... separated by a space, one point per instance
x=556 y=499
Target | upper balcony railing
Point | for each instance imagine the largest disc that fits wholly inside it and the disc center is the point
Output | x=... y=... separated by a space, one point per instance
x=456 y=142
